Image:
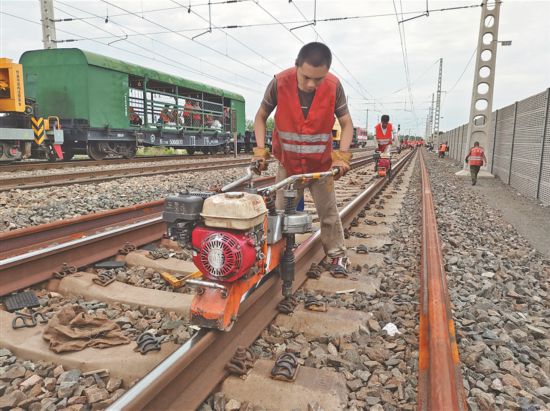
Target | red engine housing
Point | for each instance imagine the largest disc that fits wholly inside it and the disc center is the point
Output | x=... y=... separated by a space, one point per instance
x=384 y=162
x=223 y=255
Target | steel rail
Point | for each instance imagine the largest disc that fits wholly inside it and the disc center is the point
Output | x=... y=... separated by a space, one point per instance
x=440 y=378
x=186 y=378
x=46 y=165
x=85 y=177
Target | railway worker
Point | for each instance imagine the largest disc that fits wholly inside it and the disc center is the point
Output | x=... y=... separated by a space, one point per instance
x=383 y=132
x=188 y=108
x=164 y=116
x=442 y=150
x=134 y=117
x=475 y=158
x=196 y=114
x=310 y=97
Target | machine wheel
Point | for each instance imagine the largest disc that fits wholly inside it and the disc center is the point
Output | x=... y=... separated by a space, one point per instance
x=190 y=151
x=95 y=151
x=130 y=152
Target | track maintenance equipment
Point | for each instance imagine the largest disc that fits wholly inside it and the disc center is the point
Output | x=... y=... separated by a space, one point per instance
x=236 y=239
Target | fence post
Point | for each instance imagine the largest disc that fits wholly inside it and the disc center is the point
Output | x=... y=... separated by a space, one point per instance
x=513 y=138
x=494 y=143
x=544 y=131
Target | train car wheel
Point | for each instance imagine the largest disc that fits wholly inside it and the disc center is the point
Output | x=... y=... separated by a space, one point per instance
x=68 y=154
x=130 y=152
x=205 y=150
x=214 y=150
x=190 y=151
x=95 y=151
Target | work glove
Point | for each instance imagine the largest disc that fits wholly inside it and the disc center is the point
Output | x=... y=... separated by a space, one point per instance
x=259 y=159
x=341 y=160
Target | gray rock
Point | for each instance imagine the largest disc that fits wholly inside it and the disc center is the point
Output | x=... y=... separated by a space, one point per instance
x=71 y=376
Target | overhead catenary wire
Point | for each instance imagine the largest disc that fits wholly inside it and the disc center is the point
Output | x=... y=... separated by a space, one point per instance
x=337 y=59
x=317 y=20
x=233 y=37
x=177 y=66
x=177 y=50
x=404 y=54
x=463 y=71
x=238 y=61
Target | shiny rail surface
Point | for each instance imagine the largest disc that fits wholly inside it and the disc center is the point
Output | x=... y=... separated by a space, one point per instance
x=440 y=378
x=185 y=378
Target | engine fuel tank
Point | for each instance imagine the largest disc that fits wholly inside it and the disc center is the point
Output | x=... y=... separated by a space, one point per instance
x=234 y=210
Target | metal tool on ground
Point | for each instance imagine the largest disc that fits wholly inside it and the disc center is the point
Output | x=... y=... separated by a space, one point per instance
x=66 y=270
x=159 y=253
x=312 y=303
x=287 y=305
x=285 y=368
x=242 y=362
x=127 y=248
x=315 y=271
x=28 y=320
x=178 y=282
x=147 y=342
x=104 y=278
x=25 y=299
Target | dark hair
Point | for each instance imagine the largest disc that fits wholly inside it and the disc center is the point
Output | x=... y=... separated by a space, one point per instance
x=476 y=143
x=316 y=54
x=385 y=118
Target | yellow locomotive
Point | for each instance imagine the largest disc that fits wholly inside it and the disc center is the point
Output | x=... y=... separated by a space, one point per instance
x=22 y=132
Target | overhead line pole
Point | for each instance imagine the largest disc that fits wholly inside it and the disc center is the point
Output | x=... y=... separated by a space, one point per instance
x=438 y=102
x=48 y=24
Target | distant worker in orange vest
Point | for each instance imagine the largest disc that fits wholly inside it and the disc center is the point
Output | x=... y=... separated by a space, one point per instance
x=384 y=133
x=308 y=98
x=442 y=150
x=475 y=158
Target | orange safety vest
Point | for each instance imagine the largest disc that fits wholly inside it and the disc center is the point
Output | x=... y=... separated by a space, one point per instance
x=476 y=156
x=382 y=138
x=443 y=148
x=304 y=145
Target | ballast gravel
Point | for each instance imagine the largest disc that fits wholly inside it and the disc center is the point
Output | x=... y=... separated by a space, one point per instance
x=24 y=208
x=499 y=290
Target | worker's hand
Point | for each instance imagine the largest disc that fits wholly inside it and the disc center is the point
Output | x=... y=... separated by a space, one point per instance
x=259 y=159
x=341 y=159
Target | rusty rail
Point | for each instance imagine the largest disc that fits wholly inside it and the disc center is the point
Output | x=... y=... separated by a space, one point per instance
x=440 y=378
x=186 y=378
x=46 y=165
x=85 y=177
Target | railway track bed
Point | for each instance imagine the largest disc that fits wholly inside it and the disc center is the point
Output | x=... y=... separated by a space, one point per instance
x=76 y=283
x=357 y=340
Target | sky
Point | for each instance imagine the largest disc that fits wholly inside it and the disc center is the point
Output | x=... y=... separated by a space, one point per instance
x=370 y=56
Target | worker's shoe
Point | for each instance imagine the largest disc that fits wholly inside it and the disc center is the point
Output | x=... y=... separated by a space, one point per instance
x=338 y=267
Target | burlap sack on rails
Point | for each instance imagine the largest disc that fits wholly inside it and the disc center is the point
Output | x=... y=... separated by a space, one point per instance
x=72 y=329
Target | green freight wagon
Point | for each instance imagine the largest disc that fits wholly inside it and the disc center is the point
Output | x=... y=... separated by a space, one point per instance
x=111 y=107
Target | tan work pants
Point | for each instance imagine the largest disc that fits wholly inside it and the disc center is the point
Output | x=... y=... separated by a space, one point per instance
x=324 y=197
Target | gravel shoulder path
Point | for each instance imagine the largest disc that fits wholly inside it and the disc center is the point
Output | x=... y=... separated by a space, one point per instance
x=530 y=218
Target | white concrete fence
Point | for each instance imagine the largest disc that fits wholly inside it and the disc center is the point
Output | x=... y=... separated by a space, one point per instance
x=519 y=146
